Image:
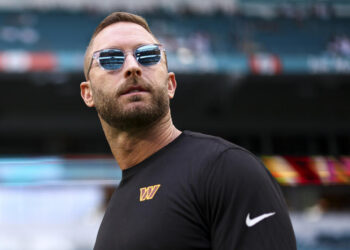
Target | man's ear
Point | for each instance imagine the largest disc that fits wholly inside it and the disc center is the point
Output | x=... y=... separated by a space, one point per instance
x=171 y=85
x=86 y=93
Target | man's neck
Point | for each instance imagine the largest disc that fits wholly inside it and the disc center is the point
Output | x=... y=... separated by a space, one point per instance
x=132 y=147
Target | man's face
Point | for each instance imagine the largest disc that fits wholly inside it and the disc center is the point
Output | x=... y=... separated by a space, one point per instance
x=135 y=95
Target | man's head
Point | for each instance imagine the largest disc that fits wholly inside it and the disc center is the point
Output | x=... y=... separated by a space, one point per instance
x=115 y=17
x=134 y=95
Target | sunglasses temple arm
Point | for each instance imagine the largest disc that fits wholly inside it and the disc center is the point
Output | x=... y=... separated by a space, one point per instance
x=89 y=68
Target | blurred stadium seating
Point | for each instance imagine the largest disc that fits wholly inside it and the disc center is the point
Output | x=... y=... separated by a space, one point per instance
x=270 y=76
x=189 y=36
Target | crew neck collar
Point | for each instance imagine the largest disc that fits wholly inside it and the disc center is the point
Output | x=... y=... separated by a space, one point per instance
x=134 y=169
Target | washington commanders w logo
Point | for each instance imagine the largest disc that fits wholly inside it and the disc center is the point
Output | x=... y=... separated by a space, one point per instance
x=147 y=193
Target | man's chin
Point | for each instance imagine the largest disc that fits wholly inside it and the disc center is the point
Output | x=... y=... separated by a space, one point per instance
x=136 y=112
x=134 y=116
x=133 y=122
x=135 y=108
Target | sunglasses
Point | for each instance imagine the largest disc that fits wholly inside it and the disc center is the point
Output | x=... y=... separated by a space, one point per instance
x=113 y=59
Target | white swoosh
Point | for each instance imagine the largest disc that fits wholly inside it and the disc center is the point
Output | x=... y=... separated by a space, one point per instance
x=252 y=222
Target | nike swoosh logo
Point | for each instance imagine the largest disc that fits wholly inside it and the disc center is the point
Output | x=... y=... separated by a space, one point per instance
x=251 y=222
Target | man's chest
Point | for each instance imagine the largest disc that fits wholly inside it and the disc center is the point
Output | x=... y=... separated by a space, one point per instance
x=156 y=214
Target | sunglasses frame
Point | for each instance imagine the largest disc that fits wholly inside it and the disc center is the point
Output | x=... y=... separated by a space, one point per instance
x=96 y=56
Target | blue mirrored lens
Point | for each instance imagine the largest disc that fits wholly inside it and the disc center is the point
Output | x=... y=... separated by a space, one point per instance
x=148 y=55
x=111 y=59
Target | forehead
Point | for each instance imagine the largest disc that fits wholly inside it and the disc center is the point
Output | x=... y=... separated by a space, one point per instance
x=122 y=35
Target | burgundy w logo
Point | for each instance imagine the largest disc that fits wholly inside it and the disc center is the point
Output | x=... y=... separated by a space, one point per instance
x=147 y=193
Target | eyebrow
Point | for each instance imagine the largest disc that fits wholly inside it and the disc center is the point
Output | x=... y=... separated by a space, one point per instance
x=116 y=47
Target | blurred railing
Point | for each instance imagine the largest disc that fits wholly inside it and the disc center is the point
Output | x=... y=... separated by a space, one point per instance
x=262 y=64
x=103 y=170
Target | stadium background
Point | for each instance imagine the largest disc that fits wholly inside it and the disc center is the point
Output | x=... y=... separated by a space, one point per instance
x=272 y=76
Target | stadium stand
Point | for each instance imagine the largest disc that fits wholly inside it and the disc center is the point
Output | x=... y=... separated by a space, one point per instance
x=49 y=31
x=287 y=39
x=280 y=35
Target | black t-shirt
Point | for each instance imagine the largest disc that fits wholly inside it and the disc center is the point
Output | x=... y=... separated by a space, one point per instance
x=198 y=192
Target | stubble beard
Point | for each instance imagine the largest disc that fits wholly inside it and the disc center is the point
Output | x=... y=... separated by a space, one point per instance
x=113 y=112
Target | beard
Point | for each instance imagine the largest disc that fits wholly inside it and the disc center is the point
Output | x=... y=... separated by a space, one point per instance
x=111 y=110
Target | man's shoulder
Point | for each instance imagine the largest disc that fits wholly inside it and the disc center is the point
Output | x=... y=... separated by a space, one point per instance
x=210 y=141
x=219 y=151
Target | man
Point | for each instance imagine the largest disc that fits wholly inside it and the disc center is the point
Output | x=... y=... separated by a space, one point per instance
x=179 y=190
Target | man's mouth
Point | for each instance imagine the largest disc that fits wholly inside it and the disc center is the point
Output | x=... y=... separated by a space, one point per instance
x=134 y=89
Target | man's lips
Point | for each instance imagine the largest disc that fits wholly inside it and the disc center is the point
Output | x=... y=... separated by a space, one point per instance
x=134 y=90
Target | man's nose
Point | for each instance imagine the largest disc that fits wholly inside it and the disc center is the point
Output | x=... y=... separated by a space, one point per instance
x=131 y=67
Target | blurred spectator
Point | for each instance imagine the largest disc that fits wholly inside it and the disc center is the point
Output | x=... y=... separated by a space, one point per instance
x=20 y=28
x=321 y=10
x=26 y=35
x=340 y=46
x=199 y=43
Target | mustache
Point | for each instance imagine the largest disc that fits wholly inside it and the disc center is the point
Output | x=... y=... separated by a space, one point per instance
x=133 y=82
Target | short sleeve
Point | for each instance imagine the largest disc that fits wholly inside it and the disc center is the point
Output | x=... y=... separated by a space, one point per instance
x=243 y=205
